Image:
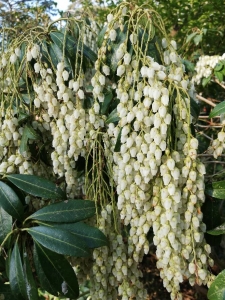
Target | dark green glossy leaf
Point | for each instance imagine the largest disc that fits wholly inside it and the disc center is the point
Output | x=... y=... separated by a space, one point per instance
x=70 y=43
x=218 y=230
x=218 y=110
x=217 y=288
x=27 y=98
x=45 y=283
x=37 y=186
x=189 y=66
x=217 y=190
x=206 y=80
x=113 y=117
x=195 y=109
x=219 y=76
x=28 y=133
x=92 y=236
x=56 y=55
x=71 y=46
x=16 y=275
x=59 y=241
x=31 y=288
x=59 y=273
x=31 y=133
x=91 y=55
x=105 y=104
x=10 y=202
x=23 y=117
x=65 y=212
x=5 y=224
x=118 y=142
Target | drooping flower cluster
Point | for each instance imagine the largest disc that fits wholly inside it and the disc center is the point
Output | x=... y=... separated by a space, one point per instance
x=156 y=169
x=130 y=130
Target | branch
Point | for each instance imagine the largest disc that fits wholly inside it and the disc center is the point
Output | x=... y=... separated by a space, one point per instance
x=205 y=100
x=222 y=85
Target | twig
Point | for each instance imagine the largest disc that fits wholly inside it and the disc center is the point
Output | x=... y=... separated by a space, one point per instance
x=207 y=117
x=214 y=162
x=205 y=155
x=209 y=125
x=208 y=137
x=205 y=100
x=222 y=85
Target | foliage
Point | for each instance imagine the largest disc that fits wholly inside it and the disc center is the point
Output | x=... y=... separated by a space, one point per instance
x=41 y=240
x=18 y=16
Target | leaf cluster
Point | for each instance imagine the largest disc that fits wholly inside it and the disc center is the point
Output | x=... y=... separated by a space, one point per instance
x=34 y=246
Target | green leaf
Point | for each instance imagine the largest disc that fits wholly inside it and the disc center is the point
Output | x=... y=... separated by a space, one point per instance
x=191 y=36
x=27 y=98
x=10 y=202
x=31 y=287
x=219 y=75
x=218 y=230
x=59 y=241
x=101 y=36
x=105 y=104
x=31 y=133
x=195 y=109
x=218 y=189
x=219 y=66
x=28 y=133
x=59 y=273
x=23 y=117
x=37 y=186
x=189 y=66
x=5 y=224
x=56 y=55
x=45 y=283
x=118 y=142
x=113 y=117
x=197 y=39
x=217 y=288
x=71 y=46
x=89 y=53
x=218 y=110
x=206 y=80
x=65 y=212
x=70 y=43
x=92 y=236
x=16 y=275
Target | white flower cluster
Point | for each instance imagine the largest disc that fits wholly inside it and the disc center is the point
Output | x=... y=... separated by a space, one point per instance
x=12 y=160
x=205 y=66
x=218 y=145
x=148 y=155
x=113 y=273
x=151 y=189
x=90 y=35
